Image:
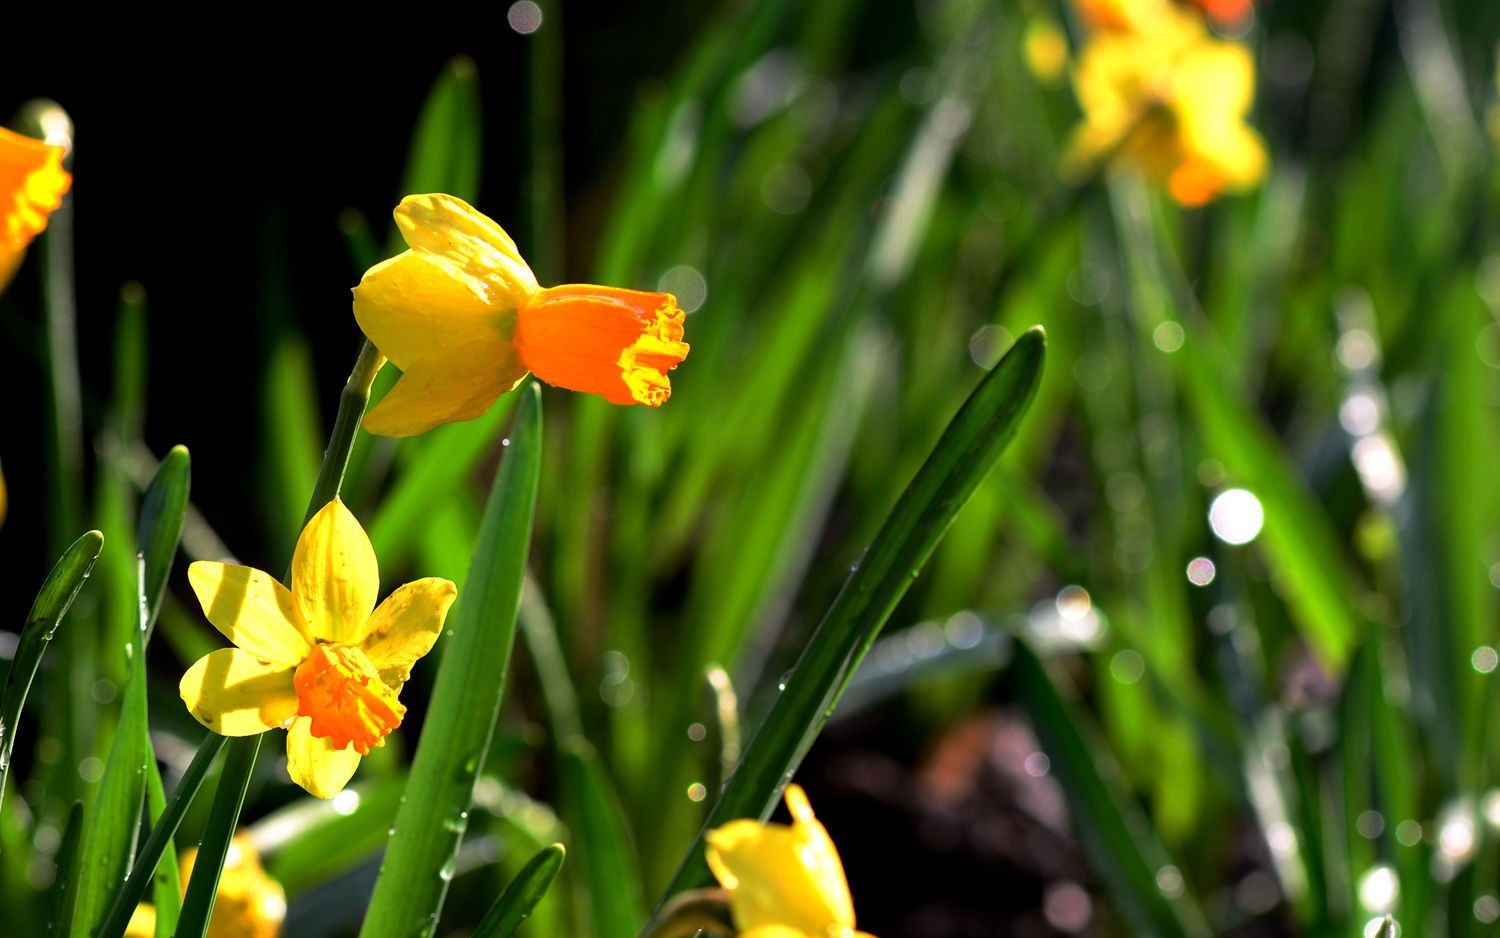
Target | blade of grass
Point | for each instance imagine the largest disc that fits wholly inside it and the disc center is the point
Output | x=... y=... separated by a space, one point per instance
x=968 y=449
x=466 y=698
x=1125 y=851
x=522 y=894
x=203 y=884
x=611 y=868
x=57 y=594
x=65 y=885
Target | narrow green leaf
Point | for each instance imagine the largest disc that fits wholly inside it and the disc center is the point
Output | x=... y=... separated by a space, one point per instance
x=610 y=867
x=522 y=894
x=1125 y=851
x=65 y=886
x=163 y=509
x=166 y=886
x=114 y=821
x=466 y=697
x=964 y=455
x=159 y=841
x=52 y=603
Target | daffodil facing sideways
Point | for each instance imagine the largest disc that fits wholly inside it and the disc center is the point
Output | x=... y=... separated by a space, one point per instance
x=318 y=659
x=783 y=881
x=248 y=903
x=463 y=317
x=32 y=184
x=1171 y=102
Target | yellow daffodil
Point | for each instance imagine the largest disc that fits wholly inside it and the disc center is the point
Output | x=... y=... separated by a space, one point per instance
x=318 y=659
x=783 y=882
x=1143 y=14
x=1171 y=102
x=32 y=184
x=463 y=317
x=248 y=904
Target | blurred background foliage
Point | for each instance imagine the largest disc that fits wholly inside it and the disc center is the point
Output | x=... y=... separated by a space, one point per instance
x=1091 y=715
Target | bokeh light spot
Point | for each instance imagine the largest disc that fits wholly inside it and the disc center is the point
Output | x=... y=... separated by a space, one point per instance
x=524 y=16
x=1236 y=516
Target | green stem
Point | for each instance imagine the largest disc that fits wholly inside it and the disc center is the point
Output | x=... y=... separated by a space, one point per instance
x=223 y=818
x=352 y=401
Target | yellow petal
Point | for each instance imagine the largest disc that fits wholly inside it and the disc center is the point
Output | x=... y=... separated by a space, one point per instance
x=780 y=875
x=234 y=693
x=32 y=184
x=406 y=625
x=252 y=609
x=142 y=922
x=315 y=764
x=466 y=241
x=334 y=576
x=427 y=398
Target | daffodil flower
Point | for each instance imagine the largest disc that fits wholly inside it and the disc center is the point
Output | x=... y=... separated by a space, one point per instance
x=318 y=659
x=1170 y=101
x=248 y=903
x=463 y=317
x=783 y=881
x=32 y=184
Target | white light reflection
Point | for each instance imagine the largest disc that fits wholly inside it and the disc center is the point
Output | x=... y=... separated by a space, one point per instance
x=345 y=802
x=1484 y=659
x=1379 y=467
x=1379 y=888
x=685 y=283
x=1487 y=908
x=1360 y=413
x=1200 y=571
x=1236 y=516
x=1373 y=926
x=524 y=16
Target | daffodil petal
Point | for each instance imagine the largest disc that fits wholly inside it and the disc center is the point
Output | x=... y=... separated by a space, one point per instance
x=315 y=764
x=778 y=930
x=234 y=693
x=32 y=184
x=334 y=576
x=252 y=609
x=427 y=398
x=406 y=625
x=820 y=857
x=465 y=240
x=142 y=922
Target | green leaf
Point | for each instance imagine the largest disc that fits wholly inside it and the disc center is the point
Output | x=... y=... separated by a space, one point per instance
x=466 y=697
x=964 y=455
x=1125 y=851
x=163 y=509
x=223 y=818
x=611 y=869
x=52 y=603
x=65 y=887
x=522 y=894
x=160 y=839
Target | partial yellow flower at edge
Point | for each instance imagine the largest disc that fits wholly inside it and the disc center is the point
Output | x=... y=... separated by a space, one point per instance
x=32 y=184
x=783 y=881
x=248 y=903
x=1170 y=102
x=463 y=317
x=318 y=659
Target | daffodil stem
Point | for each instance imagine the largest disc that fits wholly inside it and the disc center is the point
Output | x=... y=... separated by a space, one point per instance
x=139 y=880
x=223 y=817
x=352 y=402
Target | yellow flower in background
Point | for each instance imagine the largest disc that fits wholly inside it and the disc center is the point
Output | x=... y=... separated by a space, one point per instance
x=32 y=184
x=318 y=659
x=1170 y=102
x=248 y=904
x=783 y=881
x=463 y=317
x=1141 y=15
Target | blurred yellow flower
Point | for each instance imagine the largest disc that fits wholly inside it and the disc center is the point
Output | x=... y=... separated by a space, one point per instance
x=463 y=317
x=1170 y=101
x=1143 y=14
x=313 y=659
x=32 y=184
x=248 y=904
x=782 y=881
x=1045 y=48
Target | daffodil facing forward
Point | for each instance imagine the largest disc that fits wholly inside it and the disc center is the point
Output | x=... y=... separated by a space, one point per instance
x=1169 y=100
x=783 y=882
x=32 y=184
x=318 y=659
x=463 y=317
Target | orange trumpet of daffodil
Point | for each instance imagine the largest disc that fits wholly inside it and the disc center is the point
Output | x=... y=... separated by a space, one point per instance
x=32 y=184
x=463 y=317
x=783 y=881
x=318 y=659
